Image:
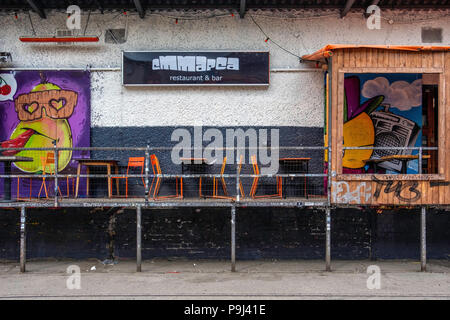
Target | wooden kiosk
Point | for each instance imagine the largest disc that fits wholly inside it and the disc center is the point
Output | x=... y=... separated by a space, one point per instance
x=388 y=124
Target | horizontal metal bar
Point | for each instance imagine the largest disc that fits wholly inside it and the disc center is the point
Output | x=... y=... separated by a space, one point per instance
x=140 y=202
x=390 y=148
x=164 y=148
x=115 y=176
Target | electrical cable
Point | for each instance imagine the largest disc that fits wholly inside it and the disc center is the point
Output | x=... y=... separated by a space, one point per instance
x=272 y=41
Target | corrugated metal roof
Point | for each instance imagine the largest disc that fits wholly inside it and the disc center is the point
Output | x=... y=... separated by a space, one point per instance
x=134 y=5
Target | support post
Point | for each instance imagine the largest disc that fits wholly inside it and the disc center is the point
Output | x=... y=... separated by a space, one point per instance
x=242 y=8
x=56 y=172
x=147 y=170
x=138 y=239
x=328 y=239
x=139 y=8
x=37 y=9
x=423 y=239
x=233 y=239
x=420 y=160
x=23 y=239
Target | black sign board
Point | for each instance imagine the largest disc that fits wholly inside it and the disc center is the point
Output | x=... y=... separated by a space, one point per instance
x=168 y=68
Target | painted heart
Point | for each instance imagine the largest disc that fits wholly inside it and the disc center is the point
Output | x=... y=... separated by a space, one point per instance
x=31 y=107
x=58 y=104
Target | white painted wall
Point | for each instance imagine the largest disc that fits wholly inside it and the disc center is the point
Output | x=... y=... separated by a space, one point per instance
x=292 y=99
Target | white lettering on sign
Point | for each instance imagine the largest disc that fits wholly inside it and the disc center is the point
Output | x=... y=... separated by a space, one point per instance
x=194 y=63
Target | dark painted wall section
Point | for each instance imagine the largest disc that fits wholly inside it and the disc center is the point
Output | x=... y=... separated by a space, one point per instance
x=205 y=233
x=161 y=137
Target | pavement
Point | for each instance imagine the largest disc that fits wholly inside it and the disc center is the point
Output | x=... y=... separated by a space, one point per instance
x=212 y=279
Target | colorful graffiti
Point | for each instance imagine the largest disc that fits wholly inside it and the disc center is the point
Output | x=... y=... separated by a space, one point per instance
x=43 y=109
x=381 y=110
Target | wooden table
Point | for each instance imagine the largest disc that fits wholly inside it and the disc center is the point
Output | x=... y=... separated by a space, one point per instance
x=8 y=160
x=289 y=164
x=195 y=165
x=403 y=158
x=98 y=163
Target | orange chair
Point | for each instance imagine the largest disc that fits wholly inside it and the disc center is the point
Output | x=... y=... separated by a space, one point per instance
x=215 y=193
x=224 y=185
x=279 y=193
x=48 y=163
x=157 y=170
x=133 y=162
x=241 y=188
x=18 y=188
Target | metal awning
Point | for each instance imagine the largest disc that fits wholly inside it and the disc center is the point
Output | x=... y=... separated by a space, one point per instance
x=327 y=51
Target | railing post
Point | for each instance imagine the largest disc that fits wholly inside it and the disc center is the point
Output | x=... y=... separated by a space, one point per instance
x=147 y=170
x=138 y=239
x=423 y=239
x=237 y=179
x=23 y=239
x=328 y=239
x=420 y=161
x=56 y=172
x=233 y=238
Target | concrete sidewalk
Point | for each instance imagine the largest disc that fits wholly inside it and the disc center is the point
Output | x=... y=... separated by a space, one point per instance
x=206 y=279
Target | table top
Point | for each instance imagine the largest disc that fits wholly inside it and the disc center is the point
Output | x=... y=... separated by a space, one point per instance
x=294 y=159
x=96 y=161
x=398 y=157
x=194 y=160
x=14 y=159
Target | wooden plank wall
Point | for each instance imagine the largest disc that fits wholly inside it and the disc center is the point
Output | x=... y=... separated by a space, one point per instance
x=393 y=190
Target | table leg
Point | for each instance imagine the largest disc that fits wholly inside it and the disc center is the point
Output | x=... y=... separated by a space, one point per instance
x=78 y=180
x=116 y=171
x=108 y=171
x=7 y=183
x=87 y=181
x=404 y=166
x=306 y=180
x=200 y=187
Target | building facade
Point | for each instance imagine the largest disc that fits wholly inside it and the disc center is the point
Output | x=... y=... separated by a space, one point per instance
x=293 y=102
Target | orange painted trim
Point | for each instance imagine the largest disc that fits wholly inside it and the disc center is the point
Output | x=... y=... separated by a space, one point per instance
x=327 y=51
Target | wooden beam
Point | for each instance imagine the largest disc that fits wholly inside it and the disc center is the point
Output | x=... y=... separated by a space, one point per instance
x=242 y=8
x=348 y=6
x=139 y=8
x=37 y=9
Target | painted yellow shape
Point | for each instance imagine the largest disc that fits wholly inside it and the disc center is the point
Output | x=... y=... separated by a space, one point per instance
x=58 y=129
x=50 y=129
x=358 y=132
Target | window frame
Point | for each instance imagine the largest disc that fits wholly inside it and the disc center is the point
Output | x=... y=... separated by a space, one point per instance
x=441 y=125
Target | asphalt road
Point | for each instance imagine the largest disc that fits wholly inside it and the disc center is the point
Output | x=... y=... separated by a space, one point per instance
x=200 y=280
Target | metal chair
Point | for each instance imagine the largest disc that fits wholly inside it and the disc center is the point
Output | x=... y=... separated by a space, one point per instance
x=279 y=193
x=241 y=188
x=48 y=163
x=18 y=188
x=157 y=171
x=133 y=162
x=215 y=193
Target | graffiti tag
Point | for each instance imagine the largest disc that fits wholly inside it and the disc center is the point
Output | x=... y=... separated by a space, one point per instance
x=397 y=188
x=343 y=194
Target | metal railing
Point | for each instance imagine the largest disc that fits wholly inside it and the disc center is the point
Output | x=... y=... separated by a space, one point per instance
x=313 y=185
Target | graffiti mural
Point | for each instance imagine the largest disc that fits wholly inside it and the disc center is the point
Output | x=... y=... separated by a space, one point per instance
x=40 y=109
x=381 y=110
x=343 y=192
